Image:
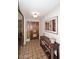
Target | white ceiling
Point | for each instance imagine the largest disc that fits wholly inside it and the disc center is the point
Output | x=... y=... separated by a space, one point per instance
x=40 y=6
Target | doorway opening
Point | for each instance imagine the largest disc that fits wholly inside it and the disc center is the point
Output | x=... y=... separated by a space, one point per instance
x=33 y=31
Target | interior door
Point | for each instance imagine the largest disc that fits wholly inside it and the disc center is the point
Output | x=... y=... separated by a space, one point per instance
x=34 y=30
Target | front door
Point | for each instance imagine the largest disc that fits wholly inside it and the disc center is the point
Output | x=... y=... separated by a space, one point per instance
x=34 y=30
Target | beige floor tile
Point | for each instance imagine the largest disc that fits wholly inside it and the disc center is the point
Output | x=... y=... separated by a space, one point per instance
x=30 y=58
x=32 y=50
x=45 y=57
x=30 y=54
x=40 y=58
x=26 y=56
x=35 y=57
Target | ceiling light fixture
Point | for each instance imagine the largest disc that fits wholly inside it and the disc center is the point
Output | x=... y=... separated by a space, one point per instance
x=35 y=14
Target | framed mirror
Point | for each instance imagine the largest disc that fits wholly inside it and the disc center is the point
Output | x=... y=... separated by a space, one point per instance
x=51 y=25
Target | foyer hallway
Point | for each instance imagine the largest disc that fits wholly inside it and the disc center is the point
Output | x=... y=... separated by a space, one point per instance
x=32 y=50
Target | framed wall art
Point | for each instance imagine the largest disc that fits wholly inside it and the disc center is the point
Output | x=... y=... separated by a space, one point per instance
x=52 y=25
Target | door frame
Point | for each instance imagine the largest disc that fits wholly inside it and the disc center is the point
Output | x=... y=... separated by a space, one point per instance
x=38 y=27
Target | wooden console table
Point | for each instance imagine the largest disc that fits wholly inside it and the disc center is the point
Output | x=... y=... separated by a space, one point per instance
x=49 y=47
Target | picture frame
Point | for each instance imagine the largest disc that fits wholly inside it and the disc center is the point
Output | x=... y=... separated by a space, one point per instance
x=52 y=25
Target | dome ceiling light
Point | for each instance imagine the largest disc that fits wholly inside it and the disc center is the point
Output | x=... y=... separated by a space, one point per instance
x=35 y=14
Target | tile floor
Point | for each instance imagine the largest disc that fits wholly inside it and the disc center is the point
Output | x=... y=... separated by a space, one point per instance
x=32 y=50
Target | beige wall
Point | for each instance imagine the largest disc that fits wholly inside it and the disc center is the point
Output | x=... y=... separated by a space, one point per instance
x=54 y=12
